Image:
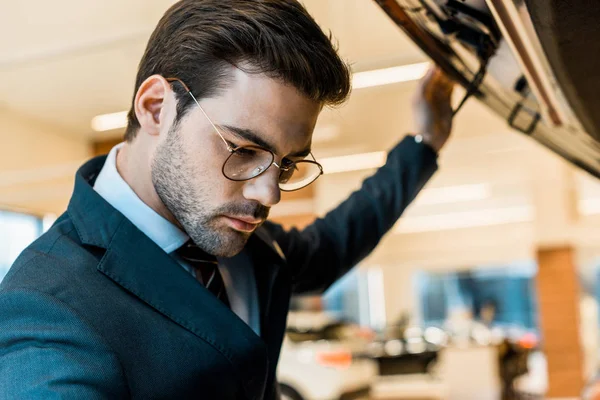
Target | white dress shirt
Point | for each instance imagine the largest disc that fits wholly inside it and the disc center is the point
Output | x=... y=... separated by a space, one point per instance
x=239 y=280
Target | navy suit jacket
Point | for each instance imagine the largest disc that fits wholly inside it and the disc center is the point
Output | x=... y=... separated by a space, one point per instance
x=94 y=309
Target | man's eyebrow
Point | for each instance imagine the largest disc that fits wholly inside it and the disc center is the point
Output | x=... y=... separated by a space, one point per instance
x=254 y=137
x=249 y=135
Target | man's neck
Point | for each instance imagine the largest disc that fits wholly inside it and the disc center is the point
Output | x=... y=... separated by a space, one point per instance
x=133 y=166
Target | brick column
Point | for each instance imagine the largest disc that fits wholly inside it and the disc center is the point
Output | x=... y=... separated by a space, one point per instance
x=558 y=299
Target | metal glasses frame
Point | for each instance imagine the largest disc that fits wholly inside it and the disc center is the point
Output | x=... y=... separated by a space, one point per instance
x=232 y=150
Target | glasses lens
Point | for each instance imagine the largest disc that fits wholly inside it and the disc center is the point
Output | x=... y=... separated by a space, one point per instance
x=302 y=174
x=246 y=163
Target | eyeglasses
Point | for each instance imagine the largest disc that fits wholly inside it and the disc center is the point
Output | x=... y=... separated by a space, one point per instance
x=248 y=162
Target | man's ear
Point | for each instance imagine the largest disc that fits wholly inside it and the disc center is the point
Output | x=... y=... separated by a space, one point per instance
x=149 y=103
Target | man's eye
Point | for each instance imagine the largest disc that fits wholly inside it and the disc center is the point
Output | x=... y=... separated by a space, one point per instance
x=245 y=152
x=287 y=163
x=232 y=145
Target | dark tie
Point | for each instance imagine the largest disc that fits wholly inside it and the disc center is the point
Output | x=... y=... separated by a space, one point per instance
x=206 y=270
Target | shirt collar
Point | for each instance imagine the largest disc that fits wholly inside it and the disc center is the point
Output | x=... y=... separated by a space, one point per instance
x=111 y=186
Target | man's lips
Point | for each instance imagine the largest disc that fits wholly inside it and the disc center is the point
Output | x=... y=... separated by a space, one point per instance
x=243 y=224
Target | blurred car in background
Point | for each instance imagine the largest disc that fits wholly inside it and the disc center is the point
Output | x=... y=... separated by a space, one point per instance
x=323 y=359
x=323 y=370
x=407 y=350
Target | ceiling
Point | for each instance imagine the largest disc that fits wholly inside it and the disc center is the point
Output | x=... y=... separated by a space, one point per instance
x=68 y=61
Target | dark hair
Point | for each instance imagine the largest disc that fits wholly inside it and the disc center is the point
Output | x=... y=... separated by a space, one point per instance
x=197 y=40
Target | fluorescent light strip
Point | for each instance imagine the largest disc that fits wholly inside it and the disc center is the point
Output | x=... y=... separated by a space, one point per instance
x=589 y=206
x=464 y=219
x=360 y=80
x=376 y=292
x=453 y=194
x=353 y=162
x=108 y=122
x=386 y=76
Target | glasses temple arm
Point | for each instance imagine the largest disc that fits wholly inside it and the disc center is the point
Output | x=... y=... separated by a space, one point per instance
x=188 y=91
x=211 y=123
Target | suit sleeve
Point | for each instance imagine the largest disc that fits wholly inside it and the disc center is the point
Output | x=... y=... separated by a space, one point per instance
x=325 y=250
x=47 y=351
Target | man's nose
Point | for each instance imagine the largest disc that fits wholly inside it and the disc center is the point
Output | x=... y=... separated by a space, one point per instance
x=264 y=188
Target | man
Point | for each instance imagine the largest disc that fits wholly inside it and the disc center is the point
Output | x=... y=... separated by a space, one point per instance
x=163 y=278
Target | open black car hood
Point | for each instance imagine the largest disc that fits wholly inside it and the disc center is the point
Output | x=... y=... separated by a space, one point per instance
x=535 y=63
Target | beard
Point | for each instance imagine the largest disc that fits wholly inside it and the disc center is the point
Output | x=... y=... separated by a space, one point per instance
x=177 y=186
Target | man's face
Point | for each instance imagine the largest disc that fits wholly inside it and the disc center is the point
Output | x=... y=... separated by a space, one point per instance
x=218 y=214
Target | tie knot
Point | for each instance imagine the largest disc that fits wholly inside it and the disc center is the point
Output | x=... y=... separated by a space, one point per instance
x=190 y=252
x=206 y=269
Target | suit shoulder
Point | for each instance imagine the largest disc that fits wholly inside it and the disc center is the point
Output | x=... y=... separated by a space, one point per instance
x=74 y=357
x=56 y=255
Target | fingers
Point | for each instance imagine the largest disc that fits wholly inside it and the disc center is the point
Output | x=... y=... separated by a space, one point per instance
x=435 y=89
x=444 y=84
x=426 y=80
x=435 y=85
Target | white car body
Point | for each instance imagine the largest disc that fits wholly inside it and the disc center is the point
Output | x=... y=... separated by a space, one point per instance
x=303 y=368
x=324 y=369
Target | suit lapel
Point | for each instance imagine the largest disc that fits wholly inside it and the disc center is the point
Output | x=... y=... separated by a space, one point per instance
x=142 y=268
x=273 y=290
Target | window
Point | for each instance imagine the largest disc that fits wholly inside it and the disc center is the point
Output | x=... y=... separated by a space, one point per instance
x=358 y=297
x=508 y=289
x=17 y=231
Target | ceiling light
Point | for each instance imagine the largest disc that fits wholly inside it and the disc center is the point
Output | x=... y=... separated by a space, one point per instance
x=108 y=122
x=360 y=80
x=465 y=219
x=353 y=162
x=453 y=194
x=376 y=296
x=386 y=76
x=590 y=206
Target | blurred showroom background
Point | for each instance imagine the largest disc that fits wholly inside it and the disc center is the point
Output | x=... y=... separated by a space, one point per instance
x=470 y=290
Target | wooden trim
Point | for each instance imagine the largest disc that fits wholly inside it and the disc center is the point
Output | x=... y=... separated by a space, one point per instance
x=558 y=298
x=103 y=147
